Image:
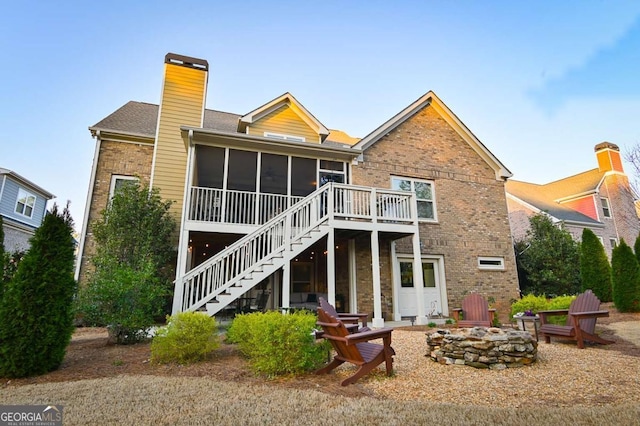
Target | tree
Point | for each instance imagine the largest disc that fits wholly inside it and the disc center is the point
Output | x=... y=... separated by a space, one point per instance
x=131 y=281
x=595 y=271
x=36 y=310
x=548 y=258
x=625 y=277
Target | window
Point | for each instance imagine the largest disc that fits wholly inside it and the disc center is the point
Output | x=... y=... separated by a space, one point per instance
x=117 y=181
x=613 y=242
x=25 y=204
x=424 y=193
x=331 y=171
x=606 y=211
x=284 y=137
x=494 y=263
x=406 y=274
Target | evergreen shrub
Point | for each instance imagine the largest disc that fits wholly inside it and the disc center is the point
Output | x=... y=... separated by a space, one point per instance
x=625 y=277
x=595 y=270
x=36 y=315
x=278 y=344
x=188 y=337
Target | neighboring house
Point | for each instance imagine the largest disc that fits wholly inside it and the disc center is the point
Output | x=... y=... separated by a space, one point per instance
x=600 y=199
x=274 y=202
x=23 y=205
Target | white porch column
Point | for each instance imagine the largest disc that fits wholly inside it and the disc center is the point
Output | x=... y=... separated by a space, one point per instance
x=353 y=286
x=286 y=284
x=418 y=280
x=395 y=279
x=183 y=242
x=377 y=321
x=331 y=266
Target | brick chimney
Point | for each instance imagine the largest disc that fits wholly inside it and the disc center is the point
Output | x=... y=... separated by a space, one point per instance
x=184 y=91
x=608 y=155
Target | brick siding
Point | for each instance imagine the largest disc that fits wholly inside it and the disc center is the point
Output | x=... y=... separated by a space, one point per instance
x=114 y=158
x=471 y=209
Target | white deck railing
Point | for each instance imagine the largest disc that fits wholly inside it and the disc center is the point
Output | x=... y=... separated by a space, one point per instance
x=250 y=208
x=332 y=201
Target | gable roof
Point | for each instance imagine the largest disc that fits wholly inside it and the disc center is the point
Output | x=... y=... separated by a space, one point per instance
x=430 y=99
x=538 y=197
x=26 y=182
x=280 y=102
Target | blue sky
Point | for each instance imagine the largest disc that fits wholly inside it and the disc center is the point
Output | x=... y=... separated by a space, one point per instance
x=539 y=83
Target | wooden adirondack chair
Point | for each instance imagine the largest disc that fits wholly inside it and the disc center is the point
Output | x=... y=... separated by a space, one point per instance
x=355 y=348
x=475 y=312
x=347 y=318
x=581 y=321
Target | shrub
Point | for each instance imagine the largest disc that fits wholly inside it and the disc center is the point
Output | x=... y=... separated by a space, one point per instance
x=595 y=271
x=431 y=324
x=188 y=337
x=278 y=344
x=559 y=302
x=535 y=304
x=625 y=277
x=124 y=299
x=131 y=284
x=36 y=314
x=530 y=302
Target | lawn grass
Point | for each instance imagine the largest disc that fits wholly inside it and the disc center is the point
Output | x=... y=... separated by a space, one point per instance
x=157 y=400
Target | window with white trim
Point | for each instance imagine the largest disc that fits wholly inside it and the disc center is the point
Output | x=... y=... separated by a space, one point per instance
x=25 y=204
x=613 y=242
x=606 y=210
x=117 y=181
x=284 y=137
x=492 y=263
x=425 y=195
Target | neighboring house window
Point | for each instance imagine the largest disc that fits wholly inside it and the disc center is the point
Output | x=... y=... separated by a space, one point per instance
x=601 y=240
x=284 y=137
x=613 y=242
x=26 y=203
x=495 y=263
x=606 y=211
x=424 y=193
x=117 y=181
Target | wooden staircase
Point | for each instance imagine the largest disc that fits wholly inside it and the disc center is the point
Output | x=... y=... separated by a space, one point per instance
x=223 y=278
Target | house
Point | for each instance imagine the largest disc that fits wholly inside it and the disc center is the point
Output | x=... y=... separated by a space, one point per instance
x=273 y=202
x=600 y=199
x=23 y=205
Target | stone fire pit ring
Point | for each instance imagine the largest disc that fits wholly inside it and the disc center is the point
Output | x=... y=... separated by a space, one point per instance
x=482 y=347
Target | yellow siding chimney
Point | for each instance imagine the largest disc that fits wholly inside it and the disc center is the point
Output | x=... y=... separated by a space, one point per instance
x=182 y=104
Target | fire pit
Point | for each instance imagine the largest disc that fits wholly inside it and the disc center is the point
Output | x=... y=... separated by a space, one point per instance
x=482 y=347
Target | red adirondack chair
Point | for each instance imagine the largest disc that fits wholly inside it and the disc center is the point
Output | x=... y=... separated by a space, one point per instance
x=355 y=348
x=475 y=312
x=581 y=321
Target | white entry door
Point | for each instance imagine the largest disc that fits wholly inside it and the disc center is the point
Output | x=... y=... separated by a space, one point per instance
x=433 y=287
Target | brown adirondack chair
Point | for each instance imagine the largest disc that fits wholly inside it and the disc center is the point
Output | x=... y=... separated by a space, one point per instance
x=355 y=348
x=581 y=321
x=347 y=318
x=475 y=312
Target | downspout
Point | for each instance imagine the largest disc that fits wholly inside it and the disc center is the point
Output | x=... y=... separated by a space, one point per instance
x=87 y=207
